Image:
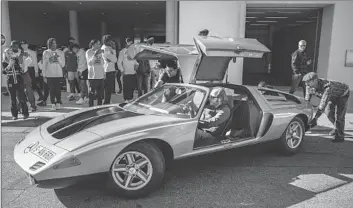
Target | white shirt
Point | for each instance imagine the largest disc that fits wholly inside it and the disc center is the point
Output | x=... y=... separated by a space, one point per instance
x=33 y=56
x=109 y=53
x=124 y=64
x=53 y=69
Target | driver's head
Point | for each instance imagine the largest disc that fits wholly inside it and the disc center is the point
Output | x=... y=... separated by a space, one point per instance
x=171 y=68
x=168 y=94
x=217 y=97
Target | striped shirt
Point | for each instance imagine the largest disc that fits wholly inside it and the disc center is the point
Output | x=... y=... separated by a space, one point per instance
x=327 y=91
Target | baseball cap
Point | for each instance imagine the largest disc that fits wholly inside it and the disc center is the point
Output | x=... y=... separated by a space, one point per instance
x=24 y=42
x=310 y=76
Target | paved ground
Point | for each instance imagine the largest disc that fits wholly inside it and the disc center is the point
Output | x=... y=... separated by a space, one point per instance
x=321 y=175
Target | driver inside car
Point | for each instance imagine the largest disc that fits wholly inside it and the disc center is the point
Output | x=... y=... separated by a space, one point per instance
x=213 y=118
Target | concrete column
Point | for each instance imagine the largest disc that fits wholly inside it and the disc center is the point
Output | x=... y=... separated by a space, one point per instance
x=73 y=25
x=103 y=28
x=6 y=31
x=5 y=22
x=171 y=21
x=335 y=40
x=221 y=18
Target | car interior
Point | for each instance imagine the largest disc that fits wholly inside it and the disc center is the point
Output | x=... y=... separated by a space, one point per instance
x=244 y=120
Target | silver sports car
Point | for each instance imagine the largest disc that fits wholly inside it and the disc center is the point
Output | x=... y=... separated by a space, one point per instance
x=134 y=142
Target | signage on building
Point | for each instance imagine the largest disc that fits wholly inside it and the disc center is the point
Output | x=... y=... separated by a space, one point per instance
x=349 y=58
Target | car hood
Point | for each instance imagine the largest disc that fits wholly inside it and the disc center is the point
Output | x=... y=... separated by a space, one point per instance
x=82 y=128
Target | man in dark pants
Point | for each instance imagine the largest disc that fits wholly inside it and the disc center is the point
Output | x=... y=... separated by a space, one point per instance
x=33 y=69
x=143 y=72
x=300 y=62
x=13 y=58
x=334 y=100
x=109 y=57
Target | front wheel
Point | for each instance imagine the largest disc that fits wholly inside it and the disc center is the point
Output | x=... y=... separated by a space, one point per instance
x=292 y=139
x=138 y=170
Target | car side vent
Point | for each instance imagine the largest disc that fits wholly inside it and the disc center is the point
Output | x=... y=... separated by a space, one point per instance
x=37 y=166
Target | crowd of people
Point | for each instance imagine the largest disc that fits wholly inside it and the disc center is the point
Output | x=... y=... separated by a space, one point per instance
x=90 y=73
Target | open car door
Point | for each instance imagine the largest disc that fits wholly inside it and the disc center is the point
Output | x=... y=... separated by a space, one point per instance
x=207 y=60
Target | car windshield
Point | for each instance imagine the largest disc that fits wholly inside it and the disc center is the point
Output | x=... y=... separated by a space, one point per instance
x=169 y=100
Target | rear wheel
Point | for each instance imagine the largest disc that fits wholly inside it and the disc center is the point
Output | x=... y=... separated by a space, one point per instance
x=292 y=139
x=138 y=170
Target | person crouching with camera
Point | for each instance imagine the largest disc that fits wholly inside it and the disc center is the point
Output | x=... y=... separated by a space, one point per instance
x=13 y=62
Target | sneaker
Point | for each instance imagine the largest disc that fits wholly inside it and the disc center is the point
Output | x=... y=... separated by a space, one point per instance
x=58 y=106
x=332 y=132
x=53 y=106
x=71 y=95
x=14 y=118
x=337 y=140
x=34 y=109
x=80 y=101
x=72 y=98
x=43 y=103
x=25 y=117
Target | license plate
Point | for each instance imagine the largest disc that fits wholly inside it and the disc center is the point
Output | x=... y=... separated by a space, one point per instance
x=30 y=178
x=43 y=152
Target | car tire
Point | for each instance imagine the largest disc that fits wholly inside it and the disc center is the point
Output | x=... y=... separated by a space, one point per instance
x=287 y=147
x=156 y=161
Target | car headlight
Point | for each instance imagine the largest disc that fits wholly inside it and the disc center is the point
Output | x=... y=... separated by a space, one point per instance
x=67 y=162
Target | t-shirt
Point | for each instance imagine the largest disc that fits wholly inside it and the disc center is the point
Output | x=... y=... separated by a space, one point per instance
x=175 y=79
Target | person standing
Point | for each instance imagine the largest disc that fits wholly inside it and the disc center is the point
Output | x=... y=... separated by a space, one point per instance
x=3 y=41
x=128 y=67
x=334 y=100
x=109 y=57
x=300 y=63
x=33 y=69
x=27 y=79
x=143 y=72
x=13 y=60
x=53 y=61
x=44 y=82
x=70 y=71
x=82 y=72
x=96 y=73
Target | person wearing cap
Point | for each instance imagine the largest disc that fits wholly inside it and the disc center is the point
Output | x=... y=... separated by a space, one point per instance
x=14 y=62
x=300 y=63
x=110 y=58
x=128 y=66
x=334 y=100
x=213 y=118
x=54 y=62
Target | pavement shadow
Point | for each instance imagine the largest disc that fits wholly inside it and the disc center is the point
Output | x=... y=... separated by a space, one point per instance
x=30 y=122
x=325 y=131
x=255 y=176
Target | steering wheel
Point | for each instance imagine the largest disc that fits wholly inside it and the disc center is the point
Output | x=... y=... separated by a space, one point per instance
x=188 y=108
